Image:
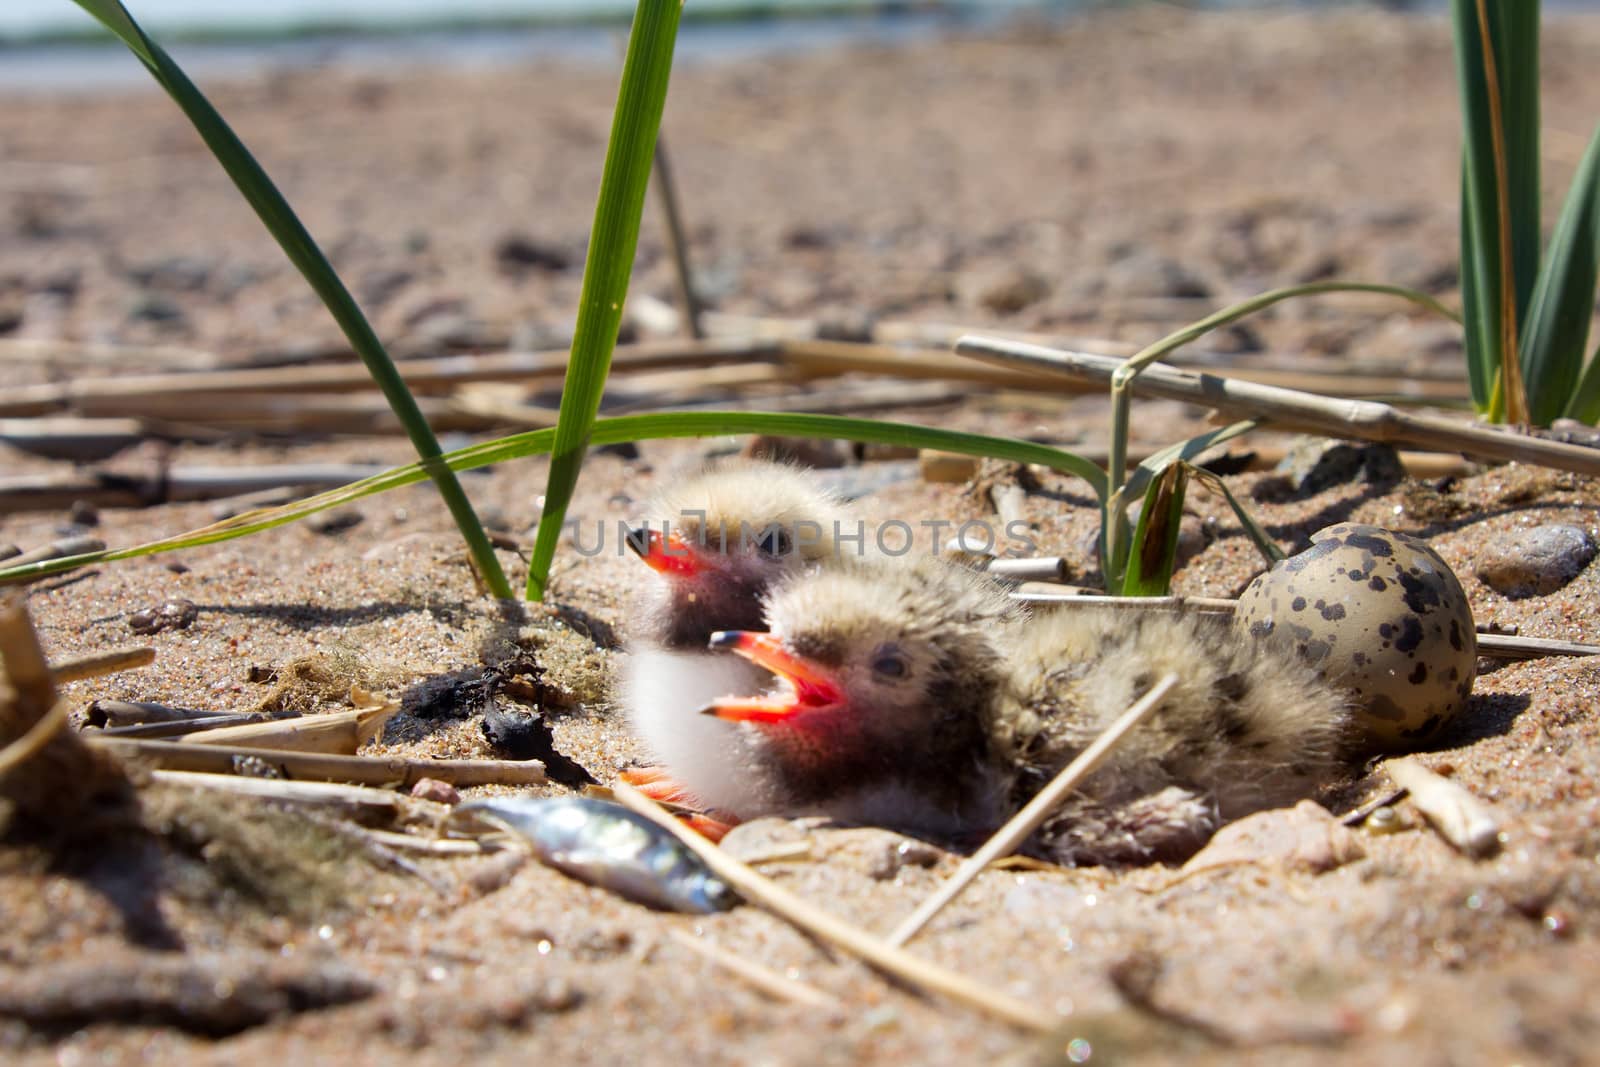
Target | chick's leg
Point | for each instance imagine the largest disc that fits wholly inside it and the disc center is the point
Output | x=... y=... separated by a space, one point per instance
x=1162 y=827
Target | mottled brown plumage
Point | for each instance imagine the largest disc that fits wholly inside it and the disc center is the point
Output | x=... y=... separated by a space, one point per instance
x=1247 y=727
x=914 y=695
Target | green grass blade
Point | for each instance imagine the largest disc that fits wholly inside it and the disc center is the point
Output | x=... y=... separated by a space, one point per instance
x=613 y=240
x=604 y=432
x=1115 y=539
x=1148 y=355
x=1117 y=448
x=303 y=252
x=1155 y=539
x=1254 y=530
x=1557 y=335
x=1515 y=24
x=1586 y=401
x=1496 y=304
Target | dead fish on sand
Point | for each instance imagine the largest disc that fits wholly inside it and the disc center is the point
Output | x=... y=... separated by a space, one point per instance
x=608 y=846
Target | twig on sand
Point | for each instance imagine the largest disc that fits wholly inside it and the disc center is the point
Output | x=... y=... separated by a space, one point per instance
x=786 y=905
x=99 y=664
x=1361 y=420
x=763 y=978
x=318 y=766
x=1459 y=817
x=1037 y=810
x=333 y=794
x=46 y=772
x=1492 y=645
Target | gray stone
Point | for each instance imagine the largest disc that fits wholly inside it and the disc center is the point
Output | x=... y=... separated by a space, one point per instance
x=1144 y=274
x=1314 y=464
x=1535 y=562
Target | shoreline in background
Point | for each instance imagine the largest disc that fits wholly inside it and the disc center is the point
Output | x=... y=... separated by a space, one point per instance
x=87 y=61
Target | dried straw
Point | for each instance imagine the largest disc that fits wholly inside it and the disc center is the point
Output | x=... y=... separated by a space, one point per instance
x=1032 y=816
x=807 y=917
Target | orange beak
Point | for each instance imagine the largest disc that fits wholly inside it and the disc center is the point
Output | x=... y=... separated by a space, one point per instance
x=809 y=685
x=664 y=555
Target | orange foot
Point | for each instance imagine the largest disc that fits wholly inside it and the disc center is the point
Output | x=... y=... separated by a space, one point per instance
x=657 y=784
x=710 y=827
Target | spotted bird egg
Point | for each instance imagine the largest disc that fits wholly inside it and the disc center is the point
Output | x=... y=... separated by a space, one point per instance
x=1379 y=614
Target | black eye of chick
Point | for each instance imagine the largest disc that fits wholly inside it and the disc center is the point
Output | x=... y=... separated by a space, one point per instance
x=890 y=665
x=772 y=543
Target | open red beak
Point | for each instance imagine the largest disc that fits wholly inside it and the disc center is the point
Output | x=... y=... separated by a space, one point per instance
x=808 y=685
x=664 y=555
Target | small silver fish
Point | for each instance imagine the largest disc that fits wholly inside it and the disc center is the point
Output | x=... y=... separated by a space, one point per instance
x=606 y=845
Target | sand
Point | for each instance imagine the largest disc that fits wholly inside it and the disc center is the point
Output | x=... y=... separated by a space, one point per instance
x=1113 y=179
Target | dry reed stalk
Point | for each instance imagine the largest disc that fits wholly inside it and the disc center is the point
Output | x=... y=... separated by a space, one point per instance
x=66 y=546
x=898 y=962
x=1495 y=646
x=180 y=727
x=118 y=713
x=1362 y=420
x=331 y=793
x=1009 y=837
x=1046 y=593
x=827 y=359
x=422 y=375
x=367 y=770
x=677 y=242
x=70 y=437
x=1046 y=570
x=53 y=492
x=203 y=415
x=82 y=354
x=436 y=846
x=337 y=732
x=1459 y=817
x=100 y=664
x=765 y=979
x=46 y=772
x=858 y=396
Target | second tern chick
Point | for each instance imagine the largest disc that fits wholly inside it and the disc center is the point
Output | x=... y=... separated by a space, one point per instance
x=914 y=697
x=717 y=542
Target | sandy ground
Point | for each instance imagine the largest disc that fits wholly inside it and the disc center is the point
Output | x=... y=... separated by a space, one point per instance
x=1113 y=179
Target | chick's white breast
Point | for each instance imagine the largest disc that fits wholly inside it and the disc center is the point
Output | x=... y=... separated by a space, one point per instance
x=663 y=693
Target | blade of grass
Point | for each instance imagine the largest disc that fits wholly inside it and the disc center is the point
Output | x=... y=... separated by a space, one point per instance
x=1114 y=540
x=1557 y=334
x=1122 y=380
x=1586 y=401
x=307 y=257
x=604 y=431
x=641 y=99
x=1254 y=530
x=1155 y=538
x=1500 y=187
x=1511 y=293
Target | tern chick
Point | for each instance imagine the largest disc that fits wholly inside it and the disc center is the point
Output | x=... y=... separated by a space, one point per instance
x=717 y=542
x=882 y=672
x=915 y=696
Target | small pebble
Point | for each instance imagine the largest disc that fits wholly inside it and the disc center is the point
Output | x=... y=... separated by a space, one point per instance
x=336 y=521
x=1536 y=562
x=1384 y=821
x=896 y=855
x=84 y=513
x=173 y=615
x=1315 y=464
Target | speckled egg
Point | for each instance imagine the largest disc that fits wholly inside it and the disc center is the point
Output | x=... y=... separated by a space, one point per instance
x=1380 y=614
